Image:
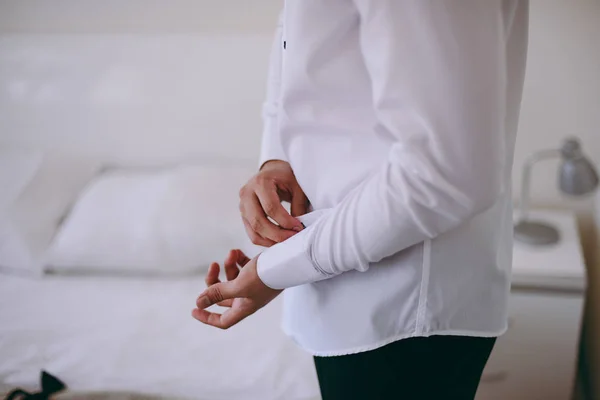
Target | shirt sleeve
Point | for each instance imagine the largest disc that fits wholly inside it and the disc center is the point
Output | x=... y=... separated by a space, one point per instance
x=438 y=78
x=271 y=148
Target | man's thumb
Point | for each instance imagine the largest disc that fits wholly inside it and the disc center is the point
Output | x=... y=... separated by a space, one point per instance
x=216 y=294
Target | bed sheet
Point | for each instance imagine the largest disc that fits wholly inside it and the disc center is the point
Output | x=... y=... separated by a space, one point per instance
x=134 y=335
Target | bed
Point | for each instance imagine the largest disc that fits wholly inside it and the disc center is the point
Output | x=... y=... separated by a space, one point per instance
x=113 y=330
x=128 y=338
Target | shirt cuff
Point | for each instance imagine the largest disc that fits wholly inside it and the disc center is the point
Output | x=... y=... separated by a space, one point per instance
x=288 y=264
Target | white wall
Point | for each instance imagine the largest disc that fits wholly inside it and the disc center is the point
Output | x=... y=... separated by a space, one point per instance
x=134 y=97
x=136 y=80
x=562 y=97
x=562 y=86
x=138 y=16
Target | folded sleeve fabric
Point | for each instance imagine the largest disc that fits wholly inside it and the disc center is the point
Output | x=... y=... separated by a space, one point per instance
x=438 y=79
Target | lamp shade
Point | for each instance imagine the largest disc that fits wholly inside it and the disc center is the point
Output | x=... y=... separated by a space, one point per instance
x=576 y=175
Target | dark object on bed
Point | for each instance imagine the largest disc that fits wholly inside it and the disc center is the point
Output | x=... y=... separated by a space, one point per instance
x=50 y=386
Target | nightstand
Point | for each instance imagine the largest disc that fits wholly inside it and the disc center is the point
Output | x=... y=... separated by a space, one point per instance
x=536 y=359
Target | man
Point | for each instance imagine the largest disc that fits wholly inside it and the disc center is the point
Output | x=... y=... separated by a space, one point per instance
x=397 y=119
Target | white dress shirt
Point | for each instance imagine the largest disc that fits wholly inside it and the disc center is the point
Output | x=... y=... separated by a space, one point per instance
x=398 y=118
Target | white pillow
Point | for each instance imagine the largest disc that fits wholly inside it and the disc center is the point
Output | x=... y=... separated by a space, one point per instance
x=170 y=221
x=42 y=187
x=17 y=168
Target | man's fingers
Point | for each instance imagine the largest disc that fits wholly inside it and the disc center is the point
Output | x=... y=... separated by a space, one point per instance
x=255 y=216
x=255 y=237
x=223 y=321
x=233 y=316
x=217 y=293
x=212 y=275
x=207 y=317
x=230 y=265
x=242 y=259
x=271 y=205
x=299 y=203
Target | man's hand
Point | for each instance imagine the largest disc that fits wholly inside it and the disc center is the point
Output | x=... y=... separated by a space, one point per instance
x=261 y=197
x=244 y=293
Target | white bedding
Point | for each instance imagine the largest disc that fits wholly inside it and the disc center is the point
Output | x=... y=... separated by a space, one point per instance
x=136 y=335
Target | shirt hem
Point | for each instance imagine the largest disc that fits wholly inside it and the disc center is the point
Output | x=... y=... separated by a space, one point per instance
x=385 y=342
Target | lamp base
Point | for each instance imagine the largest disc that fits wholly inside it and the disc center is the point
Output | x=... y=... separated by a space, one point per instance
x=536 y=233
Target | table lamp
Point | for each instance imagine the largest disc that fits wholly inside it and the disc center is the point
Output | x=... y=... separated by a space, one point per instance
x=576 y=177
